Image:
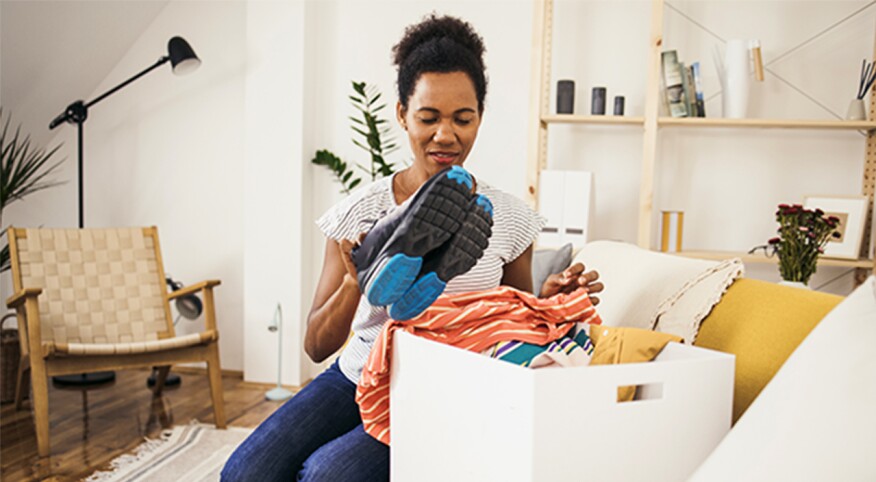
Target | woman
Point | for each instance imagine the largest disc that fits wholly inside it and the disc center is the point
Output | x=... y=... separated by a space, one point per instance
x=318 y=434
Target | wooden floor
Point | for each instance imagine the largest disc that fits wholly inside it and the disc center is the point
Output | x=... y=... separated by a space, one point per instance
x=91 y=427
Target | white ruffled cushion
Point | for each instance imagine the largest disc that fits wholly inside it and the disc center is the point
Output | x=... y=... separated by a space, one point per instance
x=640 y=285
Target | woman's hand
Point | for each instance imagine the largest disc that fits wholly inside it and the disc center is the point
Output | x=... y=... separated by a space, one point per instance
x=570 y=279
x=346 y=247
x=334 y=303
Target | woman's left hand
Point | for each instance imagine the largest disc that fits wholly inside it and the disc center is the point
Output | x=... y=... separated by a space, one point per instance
x=570 y=279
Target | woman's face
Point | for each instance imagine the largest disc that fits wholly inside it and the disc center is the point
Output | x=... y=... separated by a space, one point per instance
x=441 y=120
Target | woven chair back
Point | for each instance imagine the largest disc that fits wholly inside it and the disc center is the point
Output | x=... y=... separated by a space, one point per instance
x=99 y=285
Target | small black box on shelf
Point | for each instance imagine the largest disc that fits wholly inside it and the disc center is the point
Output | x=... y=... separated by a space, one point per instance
x=565 y=97
x=597 y=101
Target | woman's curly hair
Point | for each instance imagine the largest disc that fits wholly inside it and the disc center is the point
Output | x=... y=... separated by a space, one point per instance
x=440 y=44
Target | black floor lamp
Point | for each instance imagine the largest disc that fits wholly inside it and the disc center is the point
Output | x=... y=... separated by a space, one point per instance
x=183 y=61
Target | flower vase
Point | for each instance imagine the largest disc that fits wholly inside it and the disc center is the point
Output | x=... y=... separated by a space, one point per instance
x=795 y=284
x=856 y=110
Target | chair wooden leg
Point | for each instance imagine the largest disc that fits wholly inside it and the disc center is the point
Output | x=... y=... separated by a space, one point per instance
x=21 y=387
x=40 y=403
x=214 y=371
x=160 y=378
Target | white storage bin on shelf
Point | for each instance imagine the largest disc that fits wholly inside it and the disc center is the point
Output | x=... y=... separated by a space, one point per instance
x=462 y=416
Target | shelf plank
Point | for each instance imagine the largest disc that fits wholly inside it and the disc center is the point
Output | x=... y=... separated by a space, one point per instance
x=762 y=258
x=712 y=122
x=592 y=119
x=768 y=123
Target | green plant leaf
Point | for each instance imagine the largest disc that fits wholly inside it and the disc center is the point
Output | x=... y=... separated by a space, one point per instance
x=359 y=144
x=370 y=130
x=24 y=170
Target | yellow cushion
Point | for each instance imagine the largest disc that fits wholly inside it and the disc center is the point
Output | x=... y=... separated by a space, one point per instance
x=761 y=323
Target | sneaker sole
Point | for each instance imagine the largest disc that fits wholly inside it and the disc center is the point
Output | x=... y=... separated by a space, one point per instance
x=433 y=223
x=459 y=256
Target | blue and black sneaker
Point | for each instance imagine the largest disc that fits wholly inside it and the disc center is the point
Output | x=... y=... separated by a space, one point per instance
x=403 y=248
x=452 y=259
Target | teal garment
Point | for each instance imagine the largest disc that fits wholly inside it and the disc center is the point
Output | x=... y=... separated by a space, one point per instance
x=527 y=354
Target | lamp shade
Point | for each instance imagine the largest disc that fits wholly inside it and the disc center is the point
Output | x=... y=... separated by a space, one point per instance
x=182 y=57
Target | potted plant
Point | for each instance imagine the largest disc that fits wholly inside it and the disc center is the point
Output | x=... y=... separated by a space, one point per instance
x=803 y=233
x=24 y=170
x=372 y=129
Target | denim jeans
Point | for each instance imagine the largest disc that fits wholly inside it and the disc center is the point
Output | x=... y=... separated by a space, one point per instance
x=317 y=436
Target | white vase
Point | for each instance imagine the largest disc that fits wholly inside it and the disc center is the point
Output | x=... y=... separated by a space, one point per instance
x=795 y=284
x=856 y=110
x=737 y=79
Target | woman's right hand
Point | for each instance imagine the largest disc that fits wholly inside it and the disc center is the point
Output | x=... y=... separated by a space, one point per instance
x=335 y=301
x=346 y=247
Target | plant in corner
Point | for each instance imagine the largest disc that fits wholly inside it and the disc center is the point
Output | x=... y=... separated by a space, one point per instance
x=373 y=130
x=803 y=233
x=24 y=169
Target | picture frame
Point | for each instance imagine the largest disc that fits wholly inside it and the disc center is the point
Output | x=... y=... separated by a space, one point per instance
x=852 y=211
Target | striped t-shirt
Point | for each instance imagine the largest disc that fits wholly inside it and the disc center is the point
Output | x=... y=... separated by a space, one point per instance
x=515 y=227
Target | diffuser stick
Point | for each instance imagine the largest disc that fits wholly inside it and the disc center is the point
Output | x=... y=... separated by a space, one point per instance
x=868 y=75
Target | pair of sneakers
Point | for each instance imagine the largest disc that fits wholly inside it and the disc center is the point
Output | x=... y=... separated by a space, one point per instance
x=407 y=258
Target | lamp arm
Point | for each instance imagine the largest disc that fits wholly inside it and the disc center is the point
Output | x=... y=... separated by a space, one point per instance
x=77 y=112
x=112 y=91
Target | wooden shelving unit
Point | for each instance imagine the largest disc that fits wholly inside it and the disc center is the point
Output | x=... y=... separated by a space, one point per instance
x=816 y=124
x=651 y=122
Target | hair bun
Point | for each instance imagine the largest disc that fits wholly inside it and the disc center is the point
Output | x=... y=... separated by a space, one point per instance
x=435 y=28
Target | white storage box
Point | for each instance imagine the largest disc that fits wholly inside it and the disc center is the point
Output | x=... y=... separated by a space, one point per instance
x=461 y=416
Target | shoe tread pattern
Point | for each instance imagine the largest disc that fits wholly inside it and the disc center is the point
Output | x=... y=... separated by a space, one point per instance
x=436 y=219
x=466 y=246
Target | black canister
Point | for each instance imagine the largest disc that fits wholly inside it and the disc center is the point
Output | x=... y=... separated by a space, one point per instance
x=597 y=101
x=565 y=97
x=618 y=105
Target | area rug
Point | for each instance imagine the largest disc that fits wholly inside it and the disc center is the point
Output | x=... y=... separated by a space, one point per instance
x=194 y=453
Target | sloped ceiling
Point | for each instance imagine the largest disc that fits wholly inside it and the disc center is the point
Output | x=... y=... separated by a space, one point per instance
x=55 y=52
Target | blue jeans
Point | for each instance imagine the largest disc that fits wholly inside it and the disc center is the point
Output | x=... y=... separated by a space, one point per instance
x=317 y=436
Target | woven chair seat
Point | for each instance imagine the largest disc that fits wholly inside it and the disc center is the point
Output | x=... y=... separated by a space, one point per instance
x=81 y=349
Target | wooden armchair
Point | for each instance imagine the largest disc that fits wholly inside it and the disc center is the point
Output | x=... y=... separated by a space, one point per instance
x=95 y=299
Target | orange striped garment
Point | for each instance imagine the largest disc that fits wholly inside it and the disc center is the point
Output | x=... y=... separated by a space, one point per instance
x=473 y=321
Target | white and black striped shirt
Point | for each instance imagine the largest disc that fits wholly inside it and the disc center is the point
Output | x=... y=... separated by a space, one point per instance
x=515 y=227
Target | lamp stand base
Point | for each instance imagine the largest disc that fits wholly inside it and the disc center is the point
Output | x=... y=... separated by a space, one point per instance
x=172 y=380
x=96 y=378
x=278 y=393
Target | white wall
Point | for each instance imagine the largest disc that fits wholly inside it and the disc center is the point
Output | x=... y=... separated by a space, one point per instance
x=276 y=185
x=50 y=39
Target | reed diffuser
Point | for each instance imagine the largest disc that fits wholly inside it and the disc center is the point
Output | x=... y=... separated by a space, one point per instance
x=868 y=75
